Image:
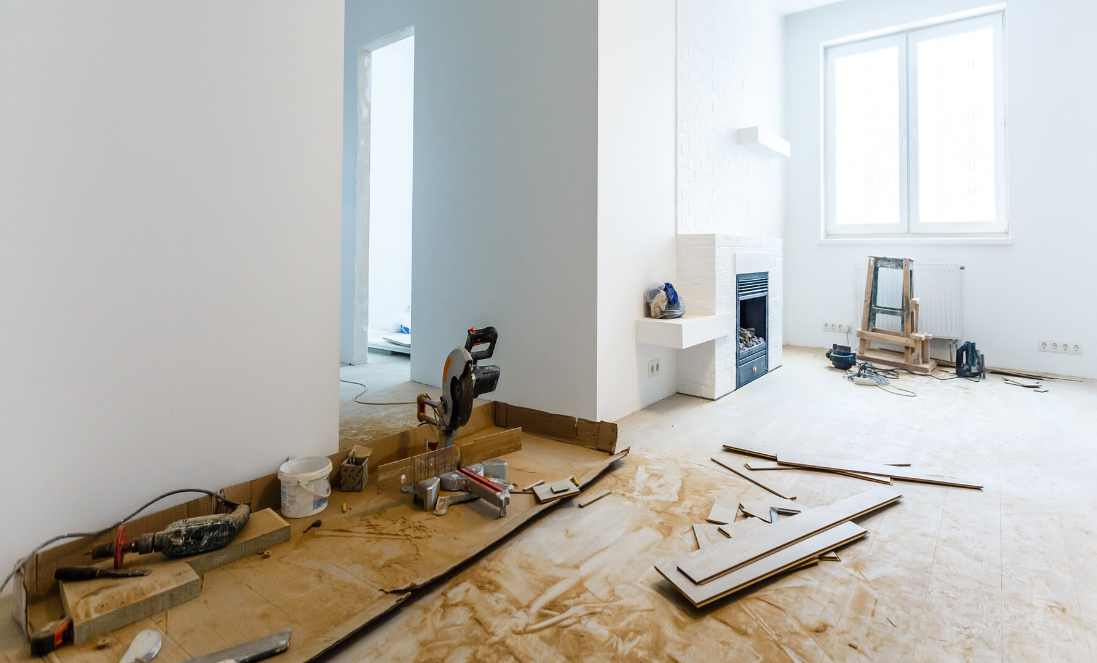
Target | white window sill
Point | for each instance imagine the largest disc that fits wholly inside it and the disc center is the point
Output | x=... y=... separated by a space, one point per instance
x=912 y=241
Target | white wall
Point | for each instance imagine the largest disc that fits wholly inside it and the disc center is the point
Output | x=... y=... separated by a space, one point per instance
x=169 y=233
x=730 y=75
x=505 y=196
x=1037 y=287
x=636 y=209
x=390 y=184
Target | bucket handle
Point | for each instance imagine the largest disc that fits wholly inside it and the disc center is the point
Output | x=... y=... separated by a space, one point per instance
x=305 y=487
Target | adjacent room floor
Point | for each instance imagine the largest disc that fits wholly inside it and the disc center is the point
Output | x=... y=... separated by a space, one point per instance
x=1005 y=573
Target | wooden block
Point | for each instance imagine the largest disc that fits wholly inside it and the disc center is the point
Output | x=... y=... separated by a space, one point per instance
x=904 y=473
x=723 y=511
x=762 y=508
x=410 y=471
x=704 y=566
x=548 y=492
x=98 y=607
x=779 y=492
x=491 y=446
x=532 y=485
x=265 y=529
x=757 y=571
x=586 y=501
x=708 y=535
x=499 y=413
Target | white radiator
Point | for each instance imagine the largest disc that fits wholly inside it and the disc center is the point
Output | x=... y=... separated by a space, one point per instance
x=937 y=285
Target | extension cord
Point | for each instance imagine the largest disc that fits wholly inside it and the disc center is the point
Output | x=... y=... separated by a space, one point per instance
x=865 y=381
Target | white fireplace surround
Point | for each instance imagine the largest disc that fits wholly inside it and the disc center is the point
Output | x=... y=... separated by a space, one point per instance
x=707 y=267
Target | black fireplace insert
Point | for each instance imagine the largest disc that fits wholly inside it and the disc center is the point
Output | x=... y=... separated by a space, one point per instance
x=751 y=316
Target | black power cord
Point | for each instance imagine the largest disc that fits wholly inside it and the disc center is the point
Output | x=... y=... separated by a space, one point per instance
x=79 y=535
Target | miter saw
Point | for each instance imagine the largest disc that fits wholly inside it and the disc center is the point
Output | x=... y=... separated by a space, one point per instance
x=462 y=381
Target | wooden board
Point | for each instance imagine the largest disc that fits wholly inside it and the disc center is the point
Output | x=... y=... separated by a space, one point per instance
x=762 y=509
x=587 y=501
x=903 y=473
x=704 y=566
x=779 y=492
x=761 y=465
x=708 y=535
x=410 y=471
x=723 y=511
x=549 y=492
x=892 y=358
x=765 y=567
x=750 y=450
x=491 y=446
x=98 y=607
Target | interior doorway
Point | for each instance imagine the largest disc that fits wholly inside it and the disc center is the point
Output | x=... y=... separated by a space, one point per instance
x=383 y=196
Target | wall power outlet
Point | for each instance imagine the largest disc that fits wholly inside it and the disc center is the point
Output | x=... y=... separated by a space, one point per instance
x=653 y=368
x=837 y=327
x=1061 y=347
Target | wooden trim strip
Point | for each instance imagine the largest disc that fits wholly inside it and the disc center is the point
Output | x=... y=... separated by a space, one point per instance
x=756 y=481
x=768 y=465
x=765 y=567
x=704 y=566
x=903 y=473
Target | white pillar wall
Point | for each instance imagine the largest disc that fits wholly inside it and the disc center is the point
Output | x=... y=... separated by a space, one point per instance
x=707 y=267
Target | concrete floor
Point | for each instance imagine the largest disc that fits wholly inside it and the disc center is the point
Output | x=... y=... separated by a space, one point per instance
x=1008 y=573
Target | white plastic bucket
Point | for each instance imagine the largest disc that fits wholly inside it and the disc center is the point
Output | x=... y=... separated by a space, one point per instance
x=305 y=487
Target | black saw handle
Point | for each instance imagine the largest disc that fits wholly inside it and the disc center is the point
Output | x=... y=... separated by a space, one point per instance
x=479 y=337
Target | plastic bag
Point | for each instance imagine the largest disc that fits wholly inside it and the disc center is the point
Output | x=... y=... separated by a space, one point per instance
x=663 y=302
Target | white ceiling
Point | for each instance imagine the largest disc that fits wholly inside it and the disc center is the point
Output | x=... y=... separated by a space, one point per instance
x=792 y=6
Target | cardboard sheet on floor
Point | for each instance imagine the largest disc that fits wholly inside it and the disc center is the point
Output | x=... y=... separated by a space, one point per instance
x=333 y=580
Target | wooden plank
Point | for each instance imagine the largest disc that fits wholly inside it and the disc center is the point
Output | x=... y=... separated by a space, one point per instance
x=762 y=509
x=891 y=358
x=704 y=566
x=490 y=446
x=903 y=473
x=756 y=481
x=750 y=450
x=410 y=471
x=723 y=511
x=708 y=535
x=98 y=607
x=586 y=501
x=866 y=312
x=769 y=465
x=883 y=338
x=586 y=433
x=757 y=571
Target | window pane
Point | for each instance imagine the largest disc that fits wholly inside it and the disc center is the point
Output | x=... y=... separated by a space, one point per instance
x=956 y=128
x=866 y=137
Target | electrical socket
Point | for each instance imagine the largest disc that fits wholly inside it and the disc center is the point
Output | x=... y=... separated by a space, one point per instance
x=653 y=368
x=836 y=327
x=1061 y=347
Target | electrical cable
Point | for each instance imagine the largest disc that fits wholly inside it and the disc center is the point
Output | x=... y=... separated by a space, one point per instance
x=365 y=389
x=881 y=377
x=79 y=535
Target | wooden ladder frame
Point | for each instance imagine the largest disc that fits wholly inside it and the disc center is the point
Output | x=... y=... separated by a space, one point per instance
x=915 y=356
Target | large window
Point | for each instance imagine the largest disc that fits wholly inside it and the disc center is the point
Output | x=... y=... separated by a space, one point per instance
x=915 y=132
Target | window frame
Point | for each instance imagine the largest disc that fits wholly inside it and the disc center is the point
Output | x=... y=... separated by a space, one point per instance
x=910 y=225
